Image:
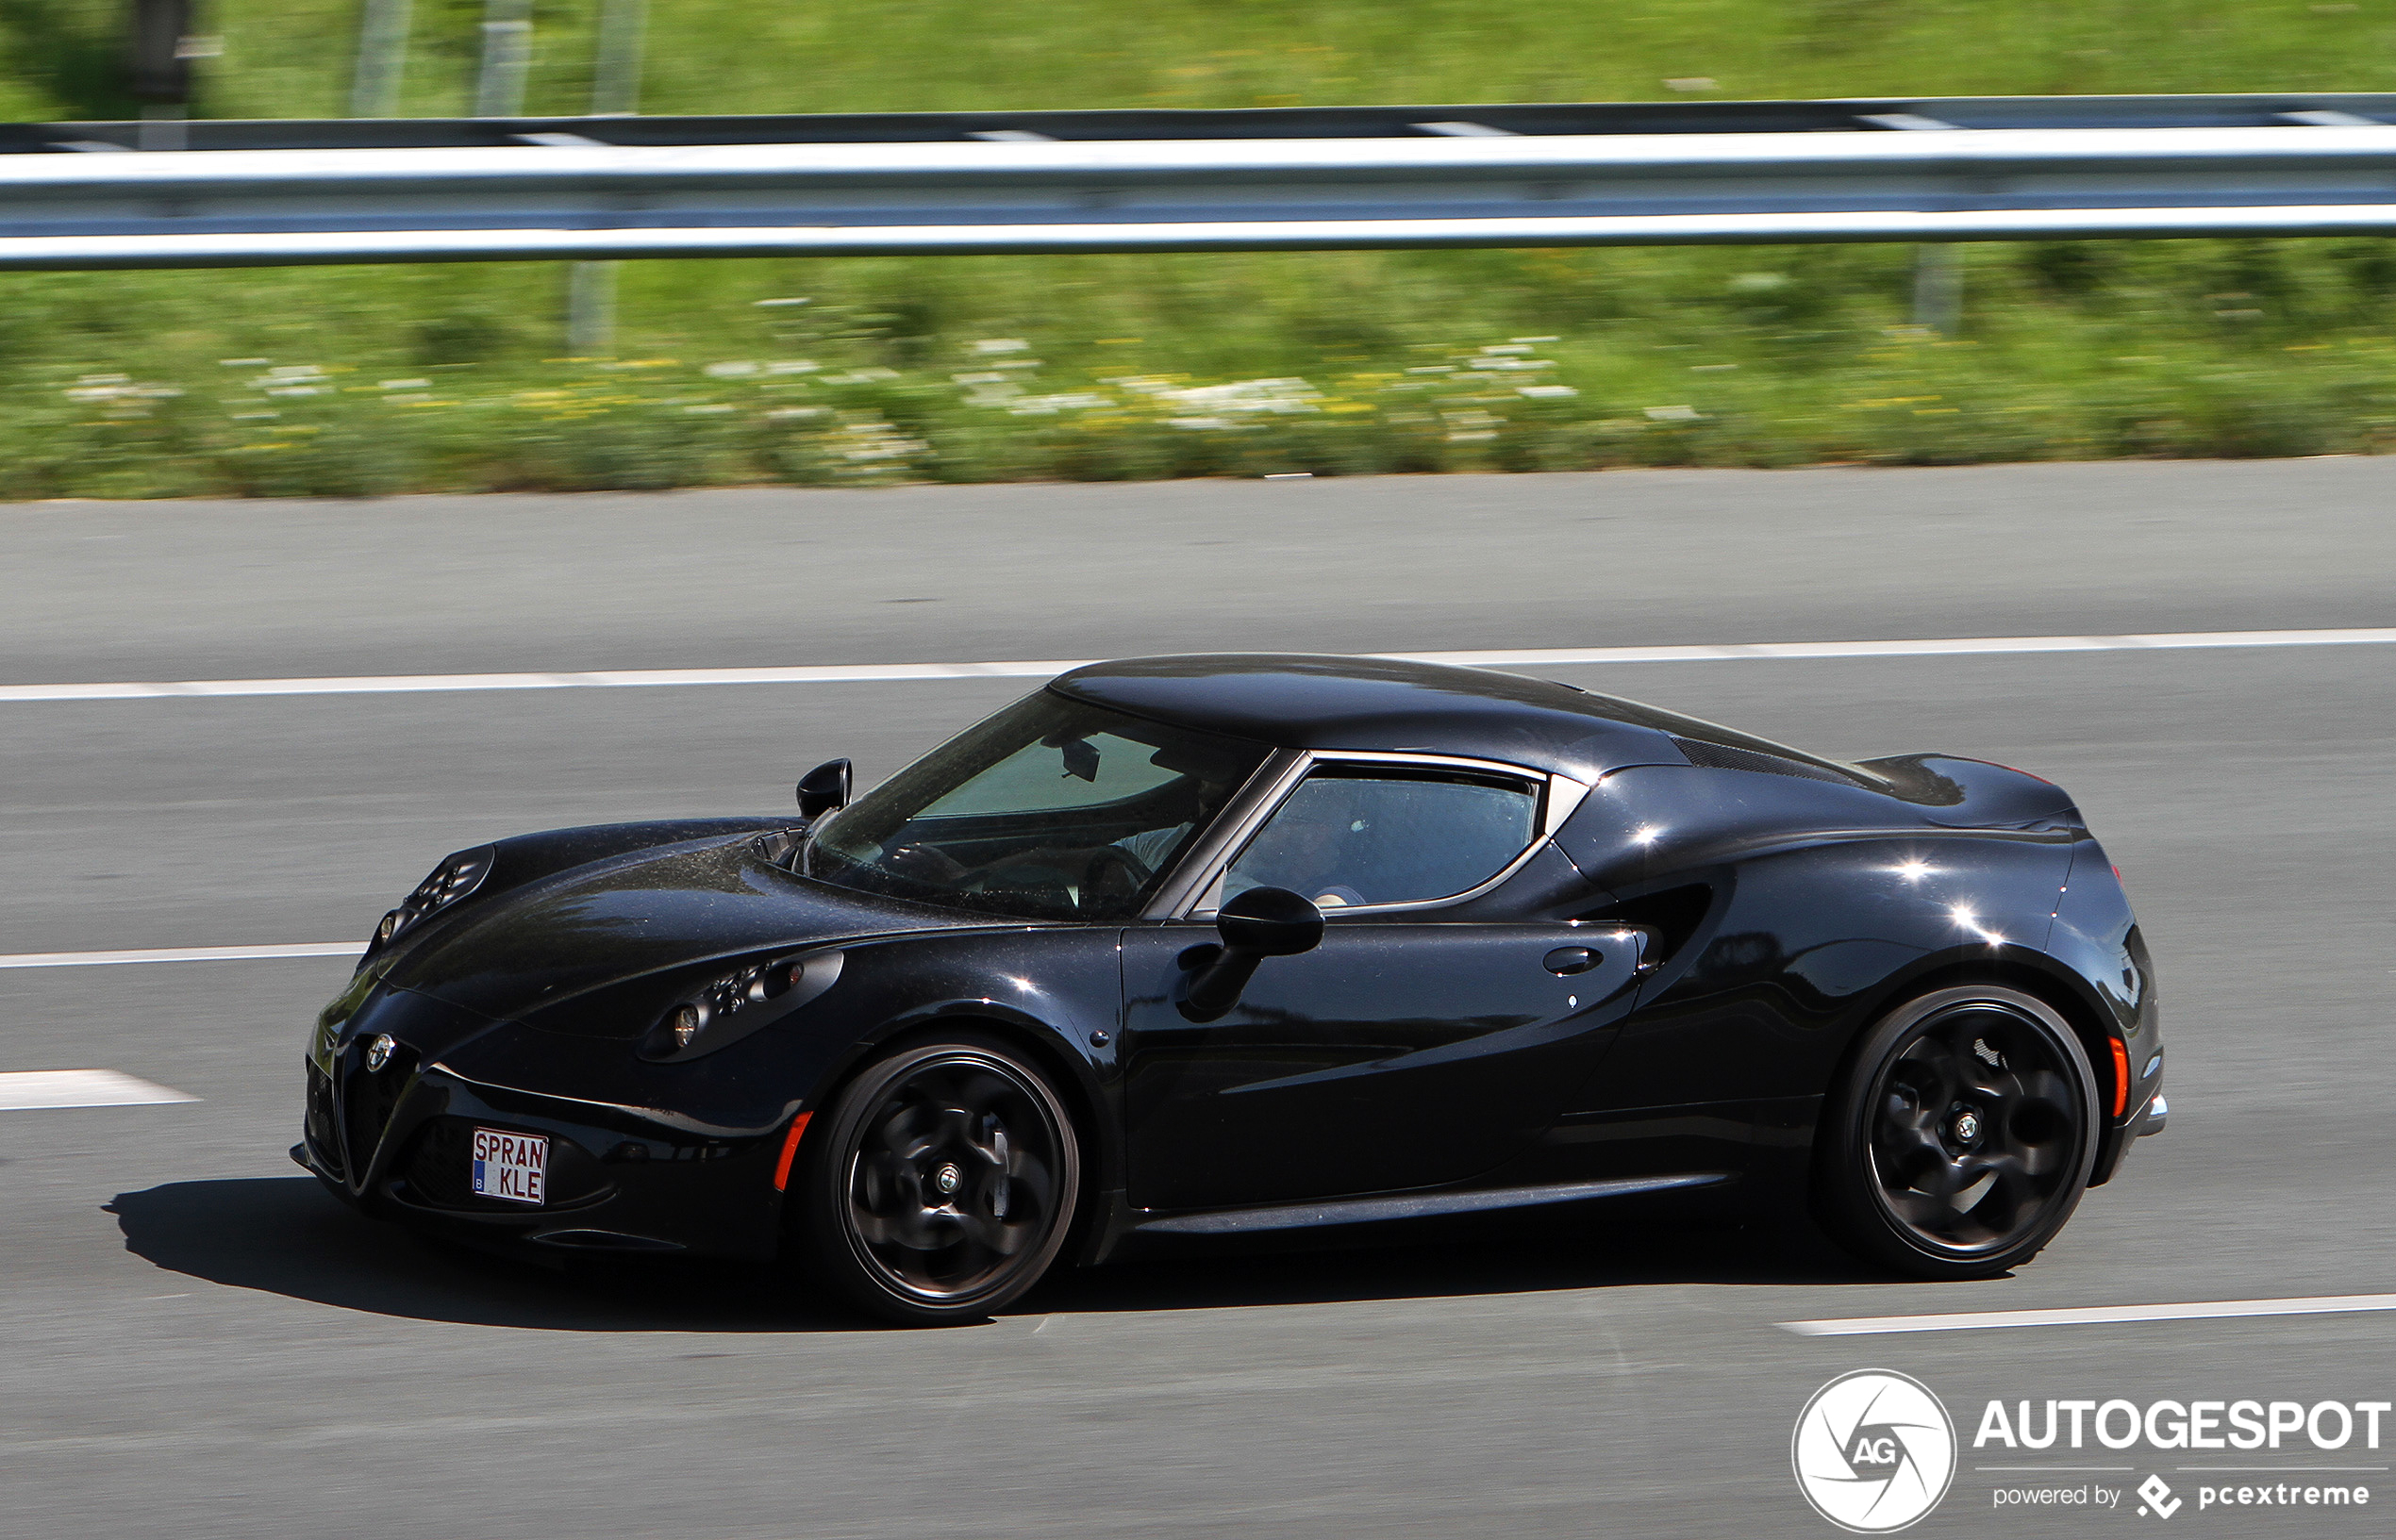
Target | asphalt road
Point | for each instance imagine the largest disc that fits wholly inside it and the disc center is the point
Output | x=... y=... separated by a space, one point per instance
x=196 y=1343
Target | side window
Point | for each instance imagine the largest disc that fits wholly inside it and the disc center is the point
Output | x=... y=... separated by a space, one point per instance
x=1365 y=835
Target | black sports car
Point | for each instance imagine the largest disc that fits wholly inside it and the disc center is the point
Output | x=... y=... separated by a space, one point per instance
x=1193 y=947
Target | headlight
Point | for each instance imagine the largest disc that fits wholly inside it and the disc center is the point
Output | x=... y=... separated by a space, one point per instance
x=455 y=878
x=730 y=1007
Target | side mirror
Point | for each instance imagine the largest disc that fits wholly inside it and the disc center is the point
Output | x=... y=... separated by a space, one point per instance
x=1260 y=923
x=1269 y=922
x=823 y=789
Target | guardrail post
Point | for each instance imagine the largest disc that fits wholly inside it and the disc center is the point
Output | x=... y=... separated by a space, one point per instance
x=591 y=310
x=1938 y=288
x=615 y=77
x=382 y=59
x=615 y=91
x=160 y=69
x=499 y=90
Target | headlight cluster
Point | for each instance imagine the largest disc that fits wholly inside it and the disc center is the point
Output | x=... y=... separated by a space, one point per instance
x=732 y=1006
x=725 y=998
x=455 y=877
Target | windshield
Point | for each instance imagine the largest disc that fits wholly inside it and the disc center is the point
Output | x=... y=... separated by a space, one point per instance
x=1049 y=810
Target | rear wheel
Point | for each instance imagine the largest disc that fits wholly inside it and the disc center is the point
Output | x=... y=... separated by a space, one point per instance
x=1962 y=1137
x=943 y=1185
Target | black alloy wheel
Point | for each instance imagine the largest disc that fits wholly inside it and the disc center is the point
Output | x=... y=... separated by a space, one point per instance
x=945 y=1183
x=1961 y=1136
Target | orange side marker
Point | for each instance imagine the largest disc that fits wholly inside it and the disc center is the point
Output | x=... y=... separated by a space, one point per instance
x=798 y=1127
x=2120 y=1087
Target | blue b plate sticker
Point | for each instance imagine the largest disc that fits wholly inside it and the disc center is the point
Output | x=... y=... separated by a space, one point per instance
x=514 y=1166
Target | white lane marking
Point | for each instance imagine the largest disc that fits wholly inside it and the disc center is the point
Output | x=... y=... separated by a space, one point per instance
x=2327 y=1304
x=181 y=955
x=24 y=1090
x=831 y=674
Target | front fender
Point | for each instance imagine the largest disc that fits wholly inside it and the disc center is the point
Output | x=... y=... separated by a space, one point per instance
x=1056 y=993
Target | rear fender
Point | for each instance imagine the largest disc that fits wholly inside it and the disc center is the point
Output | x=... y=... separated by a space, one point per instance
x=2098 y=941
x=1804 y=944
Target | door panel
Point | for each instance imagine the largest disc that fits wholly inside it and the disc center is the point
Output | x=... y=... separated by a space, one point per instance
x=1393 y=1055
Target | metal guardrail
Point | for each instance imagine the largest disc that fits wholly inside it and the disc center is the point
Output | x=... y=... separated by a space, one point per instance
x=1983 y=169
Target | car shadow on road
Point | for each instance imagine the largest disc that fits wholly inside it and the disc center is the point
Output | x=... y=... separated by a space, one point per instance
x=285 y=1236
x=1498 y=1254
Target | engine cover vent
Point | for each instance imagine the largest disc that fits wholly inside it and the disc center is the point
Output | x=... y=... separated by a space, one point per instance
x=1724 y=756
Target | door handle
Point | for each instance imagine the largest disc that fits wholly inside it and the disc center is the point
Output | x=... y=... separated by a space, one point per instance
x=1566 y=961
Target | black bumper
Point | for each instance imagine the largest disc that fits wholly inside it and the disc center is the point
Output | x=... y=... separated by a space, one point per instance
x=396 y=1143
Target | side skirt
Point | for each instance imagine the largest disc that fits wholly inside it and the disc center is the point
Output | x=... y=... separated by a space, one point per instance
x=1242 y=1222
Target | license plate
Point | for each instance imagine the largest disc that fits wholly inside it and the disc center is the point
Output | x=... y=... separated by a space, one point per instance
x=511 y=1166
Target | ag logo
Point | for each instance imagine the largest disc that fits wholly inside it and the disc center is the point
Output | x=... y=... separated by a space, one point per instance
x=1873 y=1452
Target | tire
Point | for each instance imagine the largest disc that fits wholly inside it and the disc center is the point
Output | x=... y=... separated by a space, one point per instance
x=1961 y=1135
x=945 y=1184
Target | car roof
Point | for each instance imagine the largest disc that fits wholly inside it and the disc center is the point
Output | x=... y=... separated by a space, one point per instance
x=1305 y=701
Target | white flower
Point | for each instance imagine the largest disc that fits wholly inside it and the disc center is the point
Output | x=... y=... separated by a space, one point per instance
x=124 y=396
x=729 y=370
x=870 y=441
x=1270 y=395
x=1050 y=406
x=1472 y=424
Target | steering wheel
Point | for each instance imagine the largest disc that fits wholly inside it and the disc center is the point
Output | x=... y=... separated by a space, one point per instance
x=1113 y=864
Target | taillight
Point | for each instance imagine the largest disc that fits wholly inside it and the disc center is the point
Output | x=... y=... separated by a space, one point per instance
x=2121 y=1077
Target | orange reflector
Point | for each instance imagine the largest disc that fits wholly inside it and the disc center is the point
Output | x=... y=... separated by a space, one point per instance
x=2120 y=1087
x=798 y=1126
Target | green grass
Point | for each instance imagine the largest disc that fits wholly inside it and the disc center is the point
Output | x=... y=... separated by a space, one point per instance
x=116 y=384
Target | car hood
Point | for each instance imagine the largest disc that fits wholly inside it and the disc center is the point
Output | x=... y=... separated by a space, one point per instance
x=536 y=946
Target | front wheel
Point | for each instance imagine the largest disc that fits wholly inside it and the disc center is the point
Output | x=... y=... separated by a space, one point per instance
x=943 y=1185
x=1961 y=1136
